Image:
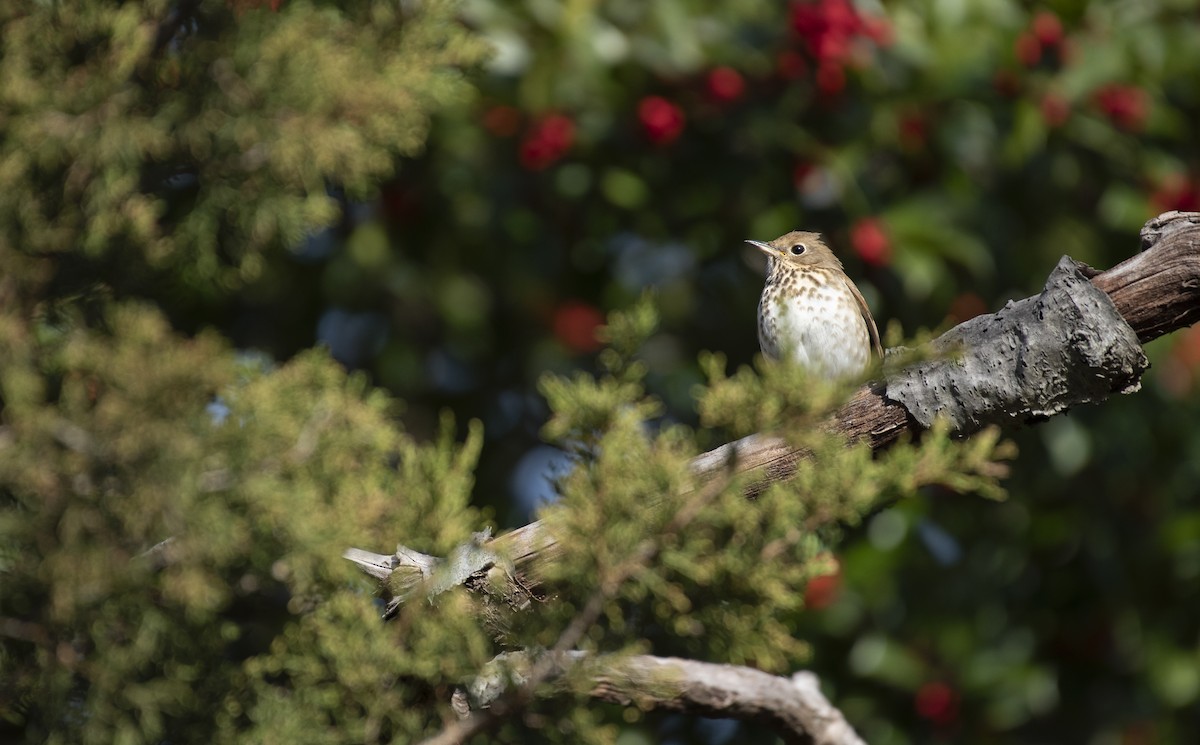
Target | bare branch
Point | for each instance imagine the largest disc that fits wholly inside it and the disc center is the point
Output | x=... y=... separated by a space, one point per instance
x=380 y=566
x=793 y=707
x=1158 y=290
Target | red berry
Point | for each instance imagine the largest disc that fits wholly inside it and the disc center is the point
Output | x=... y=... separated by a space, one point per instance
x=1125 y=105
x=557 y=130
x=829 y=26
x=800 y=172
x=575 y=325
x=1028 y=49
x=871 y=242
x=820 y=592
x=914 y=131
x=833 y=48
x=726 y=84
x=1176 y=192
x=937 y=702
x=661 y=120
x=1047 y=28
x=547 y=141
x=502 y=121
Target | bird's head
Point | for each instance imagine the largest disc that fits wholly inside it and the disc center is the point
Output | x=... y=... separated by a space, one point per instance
x=799 y=248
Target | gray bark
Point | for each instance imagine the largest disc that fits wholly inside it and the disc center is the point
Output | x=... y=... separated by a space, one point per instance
x=792 y=706
x=1032 y=359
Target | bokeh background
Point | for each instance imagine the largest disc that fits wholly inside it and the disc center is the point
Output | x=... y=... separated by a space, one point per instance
x=951 y=151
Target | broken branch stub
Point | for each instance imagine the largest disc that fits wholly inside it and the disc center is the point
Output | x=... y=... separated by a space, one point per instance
x=1034 y=358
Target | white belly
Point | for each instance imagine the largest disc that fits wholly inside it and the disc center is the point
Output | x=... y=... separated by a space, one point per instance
x=824 y=332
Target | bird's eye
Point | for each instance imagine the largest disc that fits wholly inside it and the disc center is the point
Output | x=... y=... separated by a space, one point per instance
x=798 y=248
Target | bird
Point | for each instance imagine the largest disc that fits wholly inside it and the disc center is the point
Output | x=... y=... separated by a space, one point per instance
x=811 y=313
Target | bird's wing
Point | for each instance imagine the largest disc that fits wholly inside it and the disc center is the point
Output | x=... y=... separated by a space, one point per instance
x=866 y=315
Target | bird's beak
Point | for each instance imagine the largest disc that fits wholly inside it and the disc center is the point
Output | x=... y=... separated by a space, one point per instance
x=764 y=247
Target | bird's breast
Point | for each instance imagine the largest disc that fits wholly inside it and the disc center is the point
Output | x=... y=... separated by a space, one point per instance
x=816 y=322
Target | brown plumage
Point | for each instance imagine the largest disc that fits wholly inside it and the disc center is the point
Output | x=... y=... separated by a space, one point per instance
x=810 y=312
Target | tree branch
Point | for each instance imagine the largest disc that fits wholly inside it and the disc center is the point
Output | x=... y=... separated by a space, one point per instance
x=1153 y=293
x=793 y=707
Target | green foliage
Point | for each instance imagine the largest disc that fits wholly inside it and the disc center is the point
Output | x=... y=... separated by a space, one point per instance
x=172 y=517
x=336 y=675
x=753 y=401
x=247 y=616
x=585 y=405
x=115 y=452
x=128 y=132
x=722 y=577
x=625 y=334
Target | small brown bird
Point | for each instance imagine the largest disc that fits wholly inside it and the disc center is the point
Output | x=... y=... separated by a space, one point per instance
x=810 y=312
